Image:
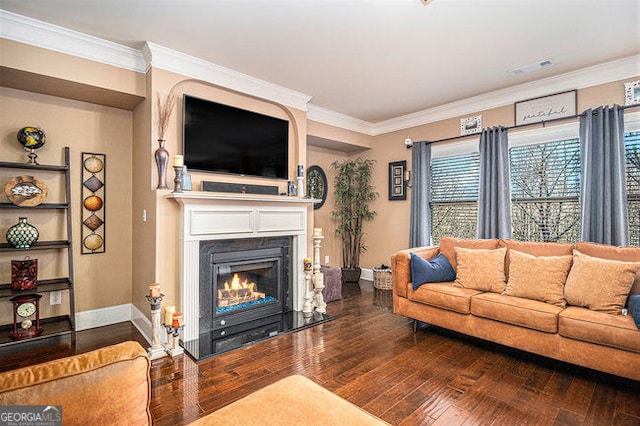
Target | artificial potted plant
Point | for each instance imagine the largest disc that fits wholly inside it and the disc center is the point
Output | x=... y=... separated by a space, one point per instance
x=353 y=196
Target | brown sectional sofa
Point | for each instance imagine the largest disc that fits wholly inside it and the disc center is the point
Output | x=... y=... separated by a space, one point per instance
x=597 y=340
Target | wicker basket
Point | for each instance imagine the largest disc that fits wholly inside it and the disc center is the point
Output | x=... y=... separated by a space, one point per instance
x=382 y=278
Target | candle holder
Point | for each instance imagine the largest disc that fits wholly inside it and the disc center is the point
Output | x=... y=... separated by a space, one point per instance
x=319 y=304
x=173 y=348
x=156 y=350
x=307 y=307
x=177 y=181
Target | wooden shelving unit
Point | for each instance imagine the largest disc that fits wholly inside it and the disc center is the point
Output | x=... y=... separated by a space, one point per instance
x=58 y=325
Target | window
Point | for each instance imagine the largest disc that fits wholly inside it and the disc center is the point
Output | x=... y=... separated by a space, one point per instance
x=632 y=149
x=545 y=190
x=454 y=196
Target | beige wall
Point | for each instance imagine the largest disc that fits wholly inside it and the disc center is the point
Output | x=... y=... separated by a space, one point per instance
x=44 y=71
x=322 y=217
x=101 y=280
x=139 y=253
x=389 y=232
x=160 y=236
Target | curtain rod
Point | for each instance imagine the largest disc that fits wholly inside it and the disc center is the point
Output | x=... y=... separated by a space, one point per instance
x=542 y=123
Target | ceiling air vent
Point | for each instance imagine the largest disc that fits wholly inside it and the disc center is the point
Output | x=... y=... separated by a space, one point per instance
x=531 y=67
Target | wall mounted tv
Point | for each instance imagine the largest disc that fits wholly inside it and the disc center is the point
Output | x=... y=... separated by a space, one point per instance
x=224 y=139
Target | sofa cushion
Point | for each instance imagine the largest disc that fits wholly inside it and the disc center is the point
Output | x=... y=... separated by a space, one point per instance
x=625 y=254
x=436 y=270
x=538 y=278
x=634 y=308
x=599 y=284
x=110 y=385
x=518 y=311
x=480 y=269
x=401 y=265
x=445 y=296
x=294 y=400
x=447 y=245
x=617 y=331
x=534 y=249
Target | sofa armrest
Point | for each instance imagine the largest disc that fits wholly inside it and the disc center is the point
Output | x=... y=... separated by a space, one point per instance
x=110 y=384
x=401 y=266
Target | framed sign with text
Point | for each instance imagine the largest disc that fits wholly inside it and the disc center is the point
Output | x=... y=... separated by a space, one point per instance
x=546 y=108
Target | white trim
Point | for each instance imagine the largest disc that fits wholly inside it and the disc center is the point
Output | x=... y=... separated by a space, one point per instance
x=103 y=316
x=366 y=274
x=41 y=34
x=143 y=324
x=585 y=77
x=333 y=118
x=53 y=37
x=543 y=135
x=116 y=314
x=190 y=66
x=632 y=121
x=457 y=147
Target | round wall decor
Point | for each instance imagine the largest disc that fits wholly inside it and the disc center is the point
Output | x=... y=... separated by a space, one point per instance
x=317 y=185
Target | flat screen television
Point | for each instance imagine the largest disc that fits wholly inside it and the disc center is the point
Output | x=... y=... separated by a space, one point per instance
x=224 y=139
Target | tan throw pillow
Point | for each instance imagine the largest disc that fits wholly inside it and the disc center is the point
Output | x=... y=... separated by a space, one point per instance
x=538 y=278
x=448 y=245
x=480 y=269
x=599 y=284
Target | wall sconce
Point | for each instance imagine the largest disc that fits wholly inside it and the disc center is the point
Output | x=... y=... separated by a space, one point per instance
x=407 y=178
x=408 y=143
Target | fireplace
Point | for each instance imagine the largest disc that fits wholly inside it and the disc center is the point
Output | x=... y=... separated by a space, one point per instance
x=222 y=223
x=243 y=281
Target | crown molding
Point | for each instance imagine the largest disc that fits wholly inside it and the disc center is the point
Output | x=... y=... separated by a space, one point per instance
x=48 y=36
x=190 y=66
x=333 y=118
x=579 y=79
x=41 y=34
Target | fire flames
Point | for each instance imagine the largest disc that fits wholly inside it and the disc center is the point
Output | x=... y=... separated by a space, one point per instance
x=239 y=291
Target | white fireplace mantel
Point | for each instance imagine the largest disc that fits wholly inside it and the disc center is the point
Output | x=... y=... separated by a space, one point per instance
x=218 y=216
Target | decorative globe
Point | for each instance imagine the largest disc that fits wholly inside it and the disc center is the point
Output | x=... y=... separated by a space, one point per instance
x=32 y=137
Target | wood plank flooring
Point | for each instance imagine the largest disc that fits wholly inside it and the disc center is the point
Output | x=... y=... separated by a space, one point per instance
x=371 y=357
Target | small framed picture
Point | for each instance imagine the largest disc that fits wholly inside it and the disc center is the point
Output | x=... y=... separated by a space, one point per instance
x=471 y=125
x=632 y=93
x=397 y=188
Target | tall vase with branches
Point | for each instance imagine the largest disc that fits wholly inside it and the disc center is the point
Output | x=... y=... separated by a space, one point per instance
x=354 y=195
x=165 y=109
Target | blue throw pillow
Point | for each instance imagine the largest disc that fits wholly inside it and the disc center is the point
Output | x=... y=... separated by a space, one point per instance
x=436 y=270
x=634 y=308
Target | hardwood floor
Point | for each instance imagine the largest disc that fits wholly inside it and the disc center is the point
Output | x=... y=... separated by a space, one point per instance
x=371 y=357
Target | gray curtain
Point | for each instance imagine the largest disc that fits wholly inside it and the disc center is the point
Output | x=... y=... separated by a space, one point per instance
x=494 y=192
x=603 y=193
x=420 y=220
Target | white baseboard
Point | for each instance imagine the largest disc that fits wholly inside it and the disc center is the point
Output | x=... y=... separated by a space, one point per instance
x=113 y=315
x=103 y=316
x=142 y=323
x=366 y=274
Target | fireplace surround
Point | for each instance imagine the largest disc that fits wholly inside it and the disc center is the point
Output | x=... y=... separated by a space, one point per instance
x=227 y=220
x=243 y=280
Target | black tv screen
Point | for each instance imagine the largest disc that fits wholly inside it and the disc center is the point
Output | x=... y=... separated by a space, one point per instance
x=224 y=139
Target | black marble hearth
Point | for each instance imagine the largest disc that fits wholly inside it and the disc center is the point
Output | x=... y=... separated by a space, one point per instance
x=212 y=343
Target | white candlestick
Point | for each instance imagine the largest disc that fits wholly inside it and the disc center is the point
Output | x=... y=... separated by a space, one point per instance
x=178 y=161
